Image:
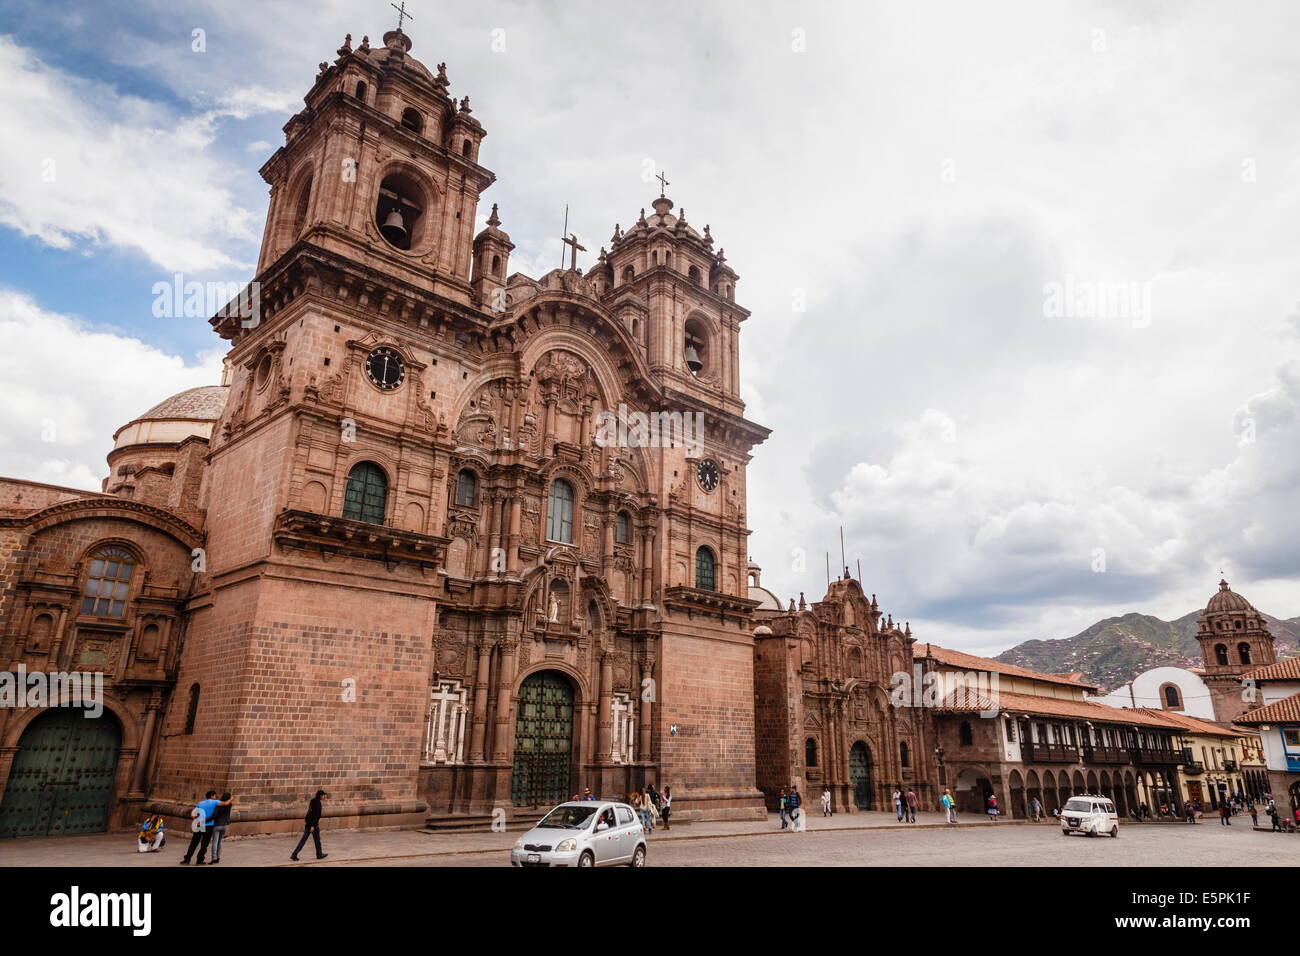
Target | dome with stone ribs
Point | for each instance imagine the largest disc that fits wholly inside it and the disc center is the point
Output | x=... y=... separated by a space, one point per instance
x=1227 y=600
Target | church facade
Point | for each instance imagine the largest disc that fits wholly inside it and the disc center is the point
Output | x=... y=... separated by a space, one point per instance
x=419 y=548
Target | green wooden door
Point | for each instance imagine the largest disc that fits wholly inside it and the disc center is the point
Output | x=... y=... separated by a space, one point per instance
x=62 y=776
x=543 y=741
x=860 y=775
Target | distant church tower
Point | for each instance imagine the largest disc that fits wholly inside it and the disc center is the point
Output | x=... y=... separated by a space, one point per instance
x=1234 y=640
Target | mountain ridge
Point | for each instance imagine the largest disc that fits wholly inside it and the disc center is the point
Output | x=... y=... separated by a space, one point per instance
x=1114 y=650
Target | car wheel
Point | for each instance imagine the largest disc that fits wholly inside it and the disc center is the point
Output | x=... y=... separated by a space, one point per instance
x=638 y=858
x=1114 y=831
x=586 y=859
x=1065 y=833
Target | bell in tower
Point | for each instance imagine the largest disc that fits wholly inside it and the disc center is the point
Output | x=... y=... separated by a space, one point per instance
x=394 y=230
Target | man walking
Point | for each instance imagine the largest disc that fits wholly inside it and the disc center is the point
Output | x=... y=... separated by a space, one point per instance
x=666 y=806
x=220 y=824
x=311 y=826
x=1224 y=815
x=910 y=796
x=898 y=805
x=826 y=802
x=202 y=816
x=1036 y=809
x=796 y=815
x=780 y=806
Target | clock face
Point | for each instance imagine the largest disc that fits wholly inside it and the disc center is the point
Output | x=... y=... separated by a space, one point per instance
x=384 y=367
x=706 y=473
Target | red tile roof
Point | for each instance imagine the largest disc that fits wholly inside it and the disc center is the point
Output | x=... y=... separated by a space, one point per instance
x=969 y=662
x=1288 y=669
x=1194 y=725
x=967 y=699
x=1284 y=711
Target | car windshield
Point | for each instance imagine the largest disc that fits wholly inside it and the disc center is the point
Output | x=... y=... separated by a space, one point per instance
x=567 y=818
x=1079 y=806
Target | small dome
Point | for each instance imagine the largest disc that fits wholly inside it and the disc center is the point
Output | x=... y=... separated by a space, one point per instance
x=767 y=601
x=1227 y=600
x=204 y=403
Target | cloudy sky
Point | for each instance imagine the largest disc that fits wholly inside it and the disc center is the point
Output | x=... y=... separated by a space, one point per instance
x=1025 y=319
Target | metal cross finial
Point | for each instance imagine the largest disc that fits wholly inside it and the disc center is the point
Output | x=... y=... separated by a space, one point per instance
x=572 y=242
x=401 y=14
x=663 y=183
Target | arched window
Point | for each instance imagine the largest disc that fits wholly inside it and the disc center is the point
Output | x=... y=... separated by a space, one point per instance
x=693 y=274
x=300 y=209
x=467 y=149
x=967 y=735
x=704 y=568
x=496 y=266
x=629 y=274
x=192 y=712
x=366 y=498
x=904 y=754
x=559 y=512
x=1243 y=652
x=1221 y=654
x=810 y=752
x=466 y=488
x=361 y=91
x=622 y=528
x=1171 y=697
x=108 y=583
x=412 y=120
x=399 y=210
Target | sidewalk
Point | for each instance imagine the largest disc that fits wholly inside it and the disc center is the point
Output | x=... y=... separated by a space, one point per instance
x=118 y=849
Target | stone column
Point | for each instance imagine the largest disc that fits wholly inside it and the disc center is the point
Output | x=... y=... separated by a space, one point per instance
x=646 y=717
x=647 y=567
x=480 y=704
x=606 y=693
x=505 y=686
x=516 y=524
x=146 y=746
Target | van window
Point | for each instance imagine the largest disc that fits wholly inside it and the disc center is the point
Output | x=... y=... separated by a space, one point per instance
x=1079 y=806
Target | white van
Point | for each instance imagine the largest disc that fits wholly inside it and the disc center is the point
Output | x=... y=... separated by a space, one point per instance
x=1089 y=814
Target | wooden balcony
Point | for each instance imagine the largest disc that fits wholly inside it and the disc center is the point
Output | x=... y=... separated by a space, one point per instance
x=1109 y=755
x=1049 y=753
x=1157 y=758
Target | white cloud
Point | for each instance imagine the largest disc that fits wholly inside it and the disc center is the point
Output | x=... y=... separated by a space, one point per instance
x=94 y=167
x=69 y=387
x=919 y=185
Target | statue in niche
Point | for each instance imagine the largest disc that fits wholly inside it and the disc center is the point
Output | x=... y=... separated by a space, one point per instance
x=554 y=617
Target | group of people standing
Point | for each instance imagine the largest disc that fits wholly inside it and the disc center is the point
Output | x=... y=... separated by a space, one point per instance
x=905 y=805
x=210 y=821
x=652 y=806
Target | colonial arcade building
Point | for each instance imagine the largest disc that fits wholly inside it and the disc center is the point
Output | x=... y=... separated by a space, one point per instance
x=389 y=556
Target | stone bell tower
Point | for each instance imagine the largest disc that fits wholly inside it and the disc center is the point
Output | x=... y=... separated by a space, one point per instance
x=1235 y=640
x=308 y=657
x=381 y=167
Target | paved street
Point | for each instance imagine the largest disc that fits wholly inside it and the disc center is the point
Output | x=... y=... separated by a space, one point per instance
x=1152 y=845
x=859 y=839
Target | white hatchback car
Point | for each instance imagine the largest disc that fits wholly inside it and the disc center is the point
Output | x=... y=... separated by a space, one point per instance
x=1089 y=814
x=583 y=833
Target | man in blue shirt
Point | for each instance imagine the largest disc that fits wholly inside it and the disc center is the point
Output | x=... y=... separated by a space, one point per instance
x=202 y=826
